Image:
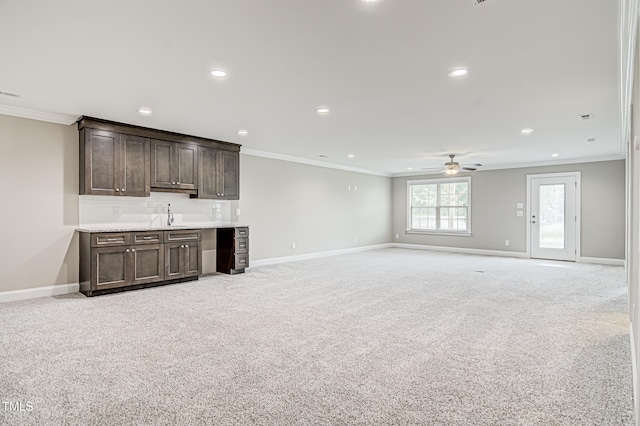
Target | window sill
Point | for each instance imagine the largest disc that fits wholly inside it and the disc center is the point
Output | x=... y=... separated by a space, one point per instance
x=446 y=233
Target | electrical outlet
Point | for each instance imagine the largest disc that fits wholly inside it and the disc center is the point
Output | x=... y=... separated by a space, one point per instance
x=293 y=245
x=397 y=236
x=355 y=187
x=116 y=210
x=348 y=187
x=507 y=242
x=237 y=212
x=355 y=239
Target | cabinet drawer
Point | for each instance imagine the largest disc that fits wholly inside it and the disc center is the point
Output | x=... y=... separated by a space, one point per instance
x=151 y=237
x=242 y=260
x=184 y=235
x=242 y=232
x=110 y=239
x=242 y=245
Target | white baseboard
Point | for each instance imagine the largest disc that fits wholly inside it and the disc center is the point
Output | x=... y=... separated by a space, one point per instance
x=481 y=252
x=602 y=261
x=307 y=256
x=32 y=293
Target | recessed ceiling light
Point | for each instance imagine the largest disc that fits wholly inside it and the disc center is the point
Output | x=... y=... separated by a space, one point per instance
x=351 y=156
x=218 y=73
x=590 y=140
x=555 y=155
x=243 y=132
x=371 y=1
x=458 y=72
x=409 y=168
x=526 y=131
x=145 y=111
x=322 y=110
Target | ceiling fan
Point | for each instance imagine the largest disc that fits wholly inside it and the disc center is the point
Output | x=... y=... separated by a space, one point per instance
x=452 y=167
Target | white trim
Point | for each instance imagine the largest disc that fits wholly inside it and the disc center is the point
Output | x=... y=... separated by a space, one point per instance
x=481 y=252
x=38 y=115
x=32 y=293
x=293 y=159
x=578 y=176
x=602 y=261
x=316 y=255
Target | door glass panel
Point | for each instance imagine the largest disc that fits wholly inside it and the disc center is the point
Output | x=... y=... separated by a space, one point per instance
x=552 y=216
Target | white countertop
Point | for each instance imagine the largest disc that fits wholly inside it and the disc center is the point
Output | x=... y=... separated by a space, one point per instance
x=131 y=227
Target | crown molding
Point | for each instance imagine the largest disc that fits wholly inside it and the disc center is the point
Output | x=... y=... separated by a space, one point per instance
x=293 y=159
x=50 y=117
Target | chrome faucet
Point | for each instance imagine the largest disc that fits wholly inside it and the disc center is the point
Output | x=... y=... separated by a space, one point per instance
x=169 y=215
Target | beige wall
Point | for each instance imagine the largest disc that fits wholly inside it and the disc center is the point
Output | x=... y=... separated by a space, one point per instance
x=286 y=202
x=39 y=214
x=494 y=194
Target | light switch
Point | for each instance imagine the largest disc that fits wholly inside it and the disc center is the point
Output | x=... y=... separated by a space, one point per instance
x=519 y=213
x=520 y=206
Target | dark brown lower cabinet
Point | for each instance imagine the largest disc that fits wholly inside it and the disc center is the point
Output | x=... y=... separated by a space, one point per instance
x=117 y=261
x=183 y=260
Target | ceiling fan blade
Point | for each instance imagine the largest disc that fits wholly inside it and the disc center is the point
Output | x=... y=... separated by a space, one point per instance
x=470 y=169
x=472 y=165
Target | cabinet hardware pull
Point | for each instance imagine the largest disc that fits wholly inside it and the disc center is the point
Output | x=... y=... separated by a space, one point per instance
x=182 y=246
x=133 y=250
x=173 y=183
x=147 y=238
x=127 y=250
x=110 y=240
x=177 y=183
x=117 y=189
x=123 y=189
x=187 y=246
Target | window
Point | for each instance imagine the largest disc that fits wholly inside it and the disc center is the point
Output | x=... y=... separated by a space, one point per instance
x=440 y=205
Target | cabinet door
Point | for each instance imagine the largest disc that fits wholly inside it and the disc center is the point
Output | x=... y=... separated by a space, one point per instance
x=192 y=260
x=229 y=175
x=110 y=267
x=100 y=172
x=208 y=173
x=135 y=166
x=148 y=263
x=174 y=260
x=186 y=165
x=162 y=164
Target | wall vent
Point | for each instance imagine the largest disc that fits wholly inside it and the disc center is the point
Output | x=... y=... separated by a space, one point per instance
x=584 y=117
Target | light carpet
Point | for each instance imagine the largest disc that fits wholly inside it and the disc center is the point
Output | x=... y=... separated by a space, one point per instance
x=391 y=336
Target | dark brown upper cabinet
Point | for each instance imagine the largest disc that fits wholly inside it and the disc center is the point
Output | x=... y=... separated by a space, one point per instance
x=219 y=174
x=174 y=165
x=122 y=159
x=112 y=163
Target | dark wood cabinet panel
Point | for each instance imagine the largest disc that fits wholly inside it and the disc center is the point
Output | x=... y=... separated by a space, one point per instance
x=113 y=163
x=135 y=166
x=174 y=165
x=219 y=174
x=109 y=266
x=229 y=175
x=148 y=263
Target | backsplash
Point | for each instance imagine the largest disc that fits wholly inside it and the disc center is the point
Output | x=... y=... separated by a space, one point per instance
x=152 y=211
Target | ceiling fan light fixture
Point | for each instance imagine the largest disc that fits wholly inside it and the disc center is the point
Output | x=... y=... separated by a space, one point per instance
x=451 y=171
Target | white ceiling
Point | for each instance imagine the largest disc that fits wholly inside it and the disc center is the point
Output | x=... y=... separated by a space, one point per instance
x=380 y=67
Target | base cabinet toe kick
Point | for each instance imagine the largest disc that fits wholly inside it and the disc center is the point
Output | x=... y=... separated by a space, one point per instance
x=118 y=261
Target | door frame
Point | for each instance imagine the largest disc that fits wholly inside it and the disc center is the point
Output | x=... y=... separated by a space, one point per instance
x=577 y=176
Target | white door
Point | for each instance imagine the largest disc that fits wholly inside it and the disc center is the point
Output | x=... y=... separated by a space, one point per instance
x=553 y=217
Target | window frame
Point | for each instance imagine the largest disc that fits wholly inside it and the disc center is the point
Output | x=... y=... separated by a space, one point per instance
x=439 y=181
